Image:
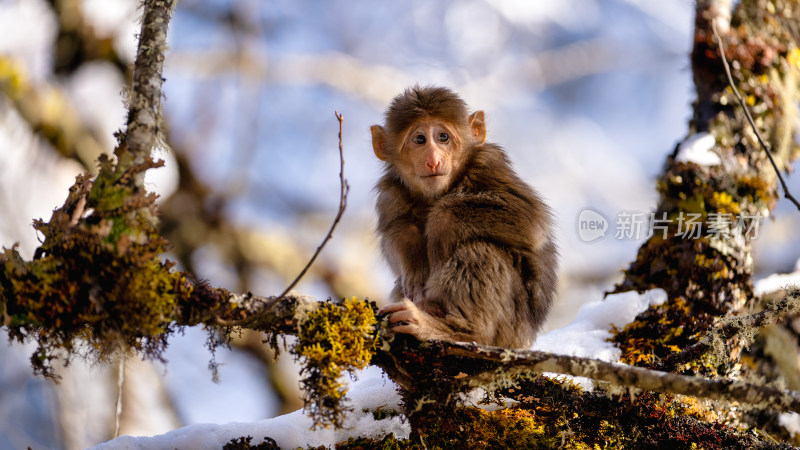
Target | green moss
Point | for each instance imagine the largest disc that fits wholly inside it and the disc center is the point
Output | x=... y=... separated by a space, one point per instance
x=470 y=427
x=389 y=442
x=333 y=339
x=97 y=276
x=552 y=414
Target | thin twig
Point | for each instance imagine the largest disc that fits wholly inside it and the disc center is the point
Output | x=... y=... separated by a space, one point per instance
x=786 y=192
x=344 y=189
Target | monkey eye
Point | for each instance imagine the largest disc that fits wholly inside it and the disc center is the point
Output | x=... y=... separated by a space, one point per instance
x=419 y=139
x=443 y=137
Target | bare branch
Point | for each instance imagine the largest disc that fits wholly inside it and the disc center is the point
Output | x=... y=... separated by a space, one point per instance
x=120 y=389
x=344 y=188
x=718 y=12
x=145 y=103
x=786 y=192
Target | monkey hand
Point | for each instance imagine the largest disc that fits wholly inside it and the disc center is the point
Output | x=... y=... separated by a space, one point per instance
x=406 y=317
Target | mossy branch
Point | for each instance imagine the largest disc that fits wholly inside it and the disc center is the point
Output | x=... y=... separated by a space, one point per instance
x=511 y=363
x=745 y=327
x=275 y=314
x=98 y=276
x=749 y=117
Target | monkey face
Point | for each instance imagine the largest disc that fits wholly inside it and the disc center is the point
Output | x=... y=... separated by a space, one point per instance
x=427 y=139
x=430 y=149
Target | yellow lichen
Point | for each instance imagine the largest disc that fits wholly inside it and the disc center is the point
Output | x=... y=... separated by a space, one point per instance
x=333 y=339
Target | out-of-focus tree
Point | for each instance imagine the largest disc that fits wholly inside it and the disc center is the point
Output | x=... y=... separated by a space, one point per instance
x=98 y=279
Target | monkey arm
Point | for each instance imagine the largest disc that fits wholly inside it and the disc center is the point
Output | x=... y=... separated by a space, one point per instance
x=403 y=245
x=480 y=295
x=400 y=226
x=471 y=298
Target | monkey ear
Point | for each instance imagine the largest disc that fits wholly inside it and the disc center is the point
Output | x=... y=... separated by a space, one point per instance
x=379 y=142
x=478 y=126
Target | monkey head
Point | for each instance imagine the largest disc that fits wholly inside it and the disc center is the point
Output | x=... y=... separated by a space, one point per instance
x=427 y=136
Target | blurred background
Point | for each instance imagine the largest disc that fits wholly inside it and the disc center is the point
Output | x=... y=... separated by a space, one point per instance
x=587 y=96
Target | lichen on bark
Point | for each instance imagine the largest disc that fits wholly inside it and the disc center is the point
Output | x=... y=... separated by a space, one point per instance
x=709 y=277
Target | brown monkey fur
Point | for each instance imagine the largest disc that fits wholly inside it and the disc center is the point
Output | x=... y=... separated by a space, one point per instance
x=470 y=242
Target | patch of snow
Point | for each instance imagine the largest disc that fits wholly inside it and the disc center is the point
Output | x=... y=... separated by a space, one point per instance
x=371 y=391
x=790 y=421
x=776 y=282
x=587 y=335
x=697 y=149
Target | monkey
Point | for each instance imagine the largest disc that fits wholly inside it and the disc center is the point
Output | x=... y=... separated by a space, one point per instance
x=471 y=244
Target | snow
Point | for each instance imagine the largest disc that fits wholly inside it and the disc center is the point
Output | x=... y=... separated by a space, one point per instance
x=790 y=421
x=778 y=281
x=586 y=336
x=370 y=392
x=697 y=149
x=558 y=130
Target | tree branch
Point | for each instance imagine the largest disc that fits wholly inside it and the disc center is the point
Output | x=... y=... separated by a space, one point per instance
x=144 y=114
x=214 y=306
x=344 y=188
x=786 y=192
x=733 y=326
x=275 y=314
x=513 y=362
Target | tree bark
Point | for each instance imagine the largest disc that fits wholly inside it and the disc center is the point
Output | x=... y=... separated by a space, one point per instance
x=710 y=276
